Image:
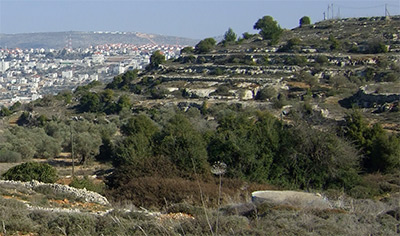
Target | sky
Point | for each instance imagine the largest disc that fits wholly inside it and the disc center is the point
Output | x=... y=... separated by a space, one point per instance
x=195 y=19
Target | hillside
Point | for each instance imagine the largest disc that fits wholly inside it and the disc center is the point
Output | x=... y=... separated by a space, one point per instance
x=58 y=40
x=302 y=67
x=298 y=134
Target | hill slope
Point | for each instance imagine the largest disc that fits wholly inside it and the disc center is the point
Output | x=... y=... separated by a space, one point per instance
x=58 y=40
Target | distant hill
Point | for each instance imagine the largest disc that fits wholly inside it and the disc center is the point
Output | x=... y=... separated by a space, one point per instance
x=59 y=40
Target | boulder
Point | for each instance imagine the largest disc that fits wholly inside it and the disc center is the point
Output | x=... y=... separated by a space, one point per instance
x=291 y=198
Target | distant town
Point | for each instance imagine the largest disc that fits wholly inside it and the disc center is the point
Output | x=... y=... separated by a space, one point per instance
x=28 y=74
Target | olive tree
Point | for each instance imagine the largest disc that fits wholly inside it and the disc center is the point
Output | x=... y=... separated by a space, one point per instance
x=269 y=29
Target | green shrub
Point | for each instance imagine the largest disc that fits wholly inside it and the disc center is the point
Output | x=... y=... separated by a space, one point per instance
x=321 y=59
x=205 y=45
x=9 y=156
x=305 y=20
x=335 y=43
x=158 y=93
x=217 y=71
x=354 y=49
x=266 y=93
x=28 y=171
x=187 y=50
x=88 y=184
x=247 y=35
x=269 y=29
x=296 y=60
x=381 y=149
x=377 y=47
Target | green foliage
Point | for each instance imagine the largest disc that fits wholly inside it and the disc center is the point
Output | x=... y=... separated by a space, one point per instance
x=46 y=146
x=5 y=111
x=86 y=145
x=187 y=50
x=139 y=143
x=321 y=59
x=15 y=106
x=183 y=145
x=65 y=96
x=205 y=45
x=266 y=93
x=296 y=60
x=307 y=78
x=156 y=59
x=88 y=184
x=381 y=150
x=123 y=82
x=139 y=124
x=28 y=171
x=123 y=102
x=158 y=93
x=335 y=43
x=90 y=102
x=72 y=224
x=247 y=35
x=291 y=45
x=305 y=20
x=338 y=81
x=246 y=145
x=269 y=29
x=104 y=102
x=222 y=90
x=354 y=49
x=87 y=87
x=375 y=47
x=24 y=119
x=315 y=159
x=217 y=71
x=30 y=142
x=229 y=36
x=9 y=156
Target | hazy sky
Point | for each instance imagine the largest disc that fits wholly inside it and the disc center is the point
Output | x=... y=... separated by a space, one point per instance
x=187 y=18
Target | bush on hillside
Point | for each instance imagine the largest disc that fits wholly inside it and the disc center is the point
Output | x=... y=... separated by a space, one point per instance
x=205 y=45
x=28 y=171
x=269 y=29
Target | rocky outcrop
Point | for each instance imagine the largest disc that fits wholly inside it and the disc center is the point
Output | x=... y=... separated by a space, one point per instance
x=367 y=97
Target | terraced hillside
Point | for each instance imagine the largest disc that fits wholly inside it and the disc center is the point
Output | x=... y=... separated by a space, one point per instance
x=196 y=137
x=320 y=64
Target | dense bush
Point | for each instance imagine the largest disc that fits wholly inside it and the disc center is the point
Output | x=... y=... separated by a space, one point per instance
x=9 y=156
x=28 y=171
x=296 y=60
x=30 y=142
x=88 y=184
x=381 y=150
x=305 y=20
x=123 y=81
x=269 y=29
x=266 y=93
x=187 y=50
x=229 y=37
x=183 y=145
x=377 y=47
x=205 y=45
x=156 y=59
